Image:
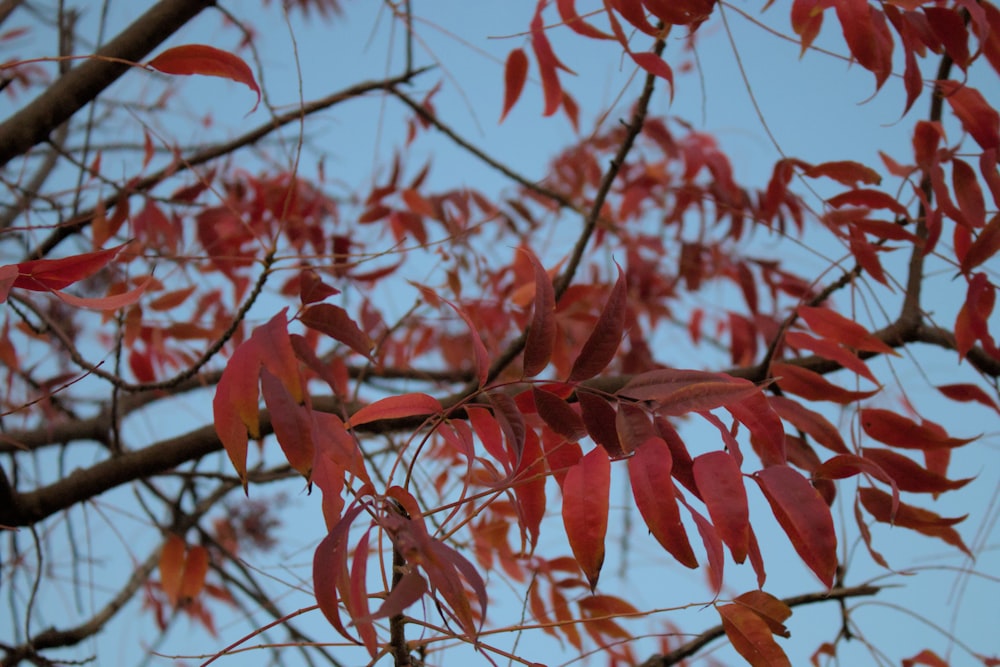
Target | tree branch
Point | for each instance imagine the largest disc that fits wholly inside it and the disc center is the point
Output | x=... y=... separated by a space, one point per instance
x=81 y=85
x=690 y=648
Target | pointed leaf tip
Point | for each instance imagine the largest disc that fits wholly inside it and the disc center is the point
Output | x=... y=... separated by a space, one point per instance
x=208 y=61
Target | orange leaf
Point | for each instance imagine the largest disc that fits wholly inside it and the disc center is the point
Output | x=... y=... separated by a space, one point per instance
x=208 y=61
x=804 y=516
x=172 y=568
x=514 y=76
x=649 y=472
x=585 y=511
x=925 y=657
x=195 y=569
x=721 y=486
x=751 y=636
x=396 y=407
x=603 y=342
x=896 y=430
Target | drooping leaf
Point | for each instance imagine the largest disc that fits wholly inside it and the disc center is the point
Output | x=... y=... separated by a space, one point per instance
x=407 y=591
x=207 y=61
x=773 y=611
x=767 y=434
x=278 y=356
x=649 y=472
x=849 y=465
x=172 y=567
x=896 y=430
x=603 y=342
x=335 y=322
x=831 y=350
x=600 y=419
x=751 y=636
x=514 y=76
x=968 y=194
x=331 y=582
x=867 y=37
x=910 y=475
x=984 y=247
x=397 y=407
x=721 y=485
x=529 y=487
x=541 y=335
x=110 y=302
x=968 y=392
x=585 y=511
x=196 y=565
x=846 y=172
x=831 y=324
x=879 y=505
x=713 y=546
x=977 y=116
x=569 y=16
x=558 y=415
x=291 y=422
x=547 y=63
x=809 y=422
x=804 y=516
x=235 y=406
x=813 y=386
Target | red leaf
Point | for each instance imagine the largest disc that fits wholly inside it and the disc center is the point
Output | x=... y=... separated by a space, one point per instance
x=846 y=172
x=541 y=335
x=489 y=432
x=330 y=577
x=773 y=611
x=514 y=76
x=529 y=487
x=43 y=275
x=558 y=415
x=809 y=422
x=235 y=404
x=985 y=246
x=336 y=323
x=603 y=342
x=909 y=475
x=111 y=302
x=408 y=590
x=208 y=61
x=879 y=505
x=547 y=63
x=968 y=194
x=751 y=636
x=312 y=289
x=869 y=199
x=278 y=356
x=567 y=12
x=831 y=350
x=767 y=435
x=867 y=37
x=713 y=546
x=396 y=407
x=678 y=392
x=811 y=385
x=966 y=393
x=291 y=422
x=585 y=511
x=898 y=431
x=721 y=486
x=649 y=472
x=978 y=117
x=849 y=465
x=925 y=657
x=172 y=299
x=807 y=19
x=833 y=325
x=560 y=455
x=601 y=422
x=804 y=516
x=633 y=426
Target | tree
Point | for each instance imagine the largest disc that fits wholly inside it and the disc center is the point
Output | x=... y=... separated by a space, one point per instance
x=470 y=393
